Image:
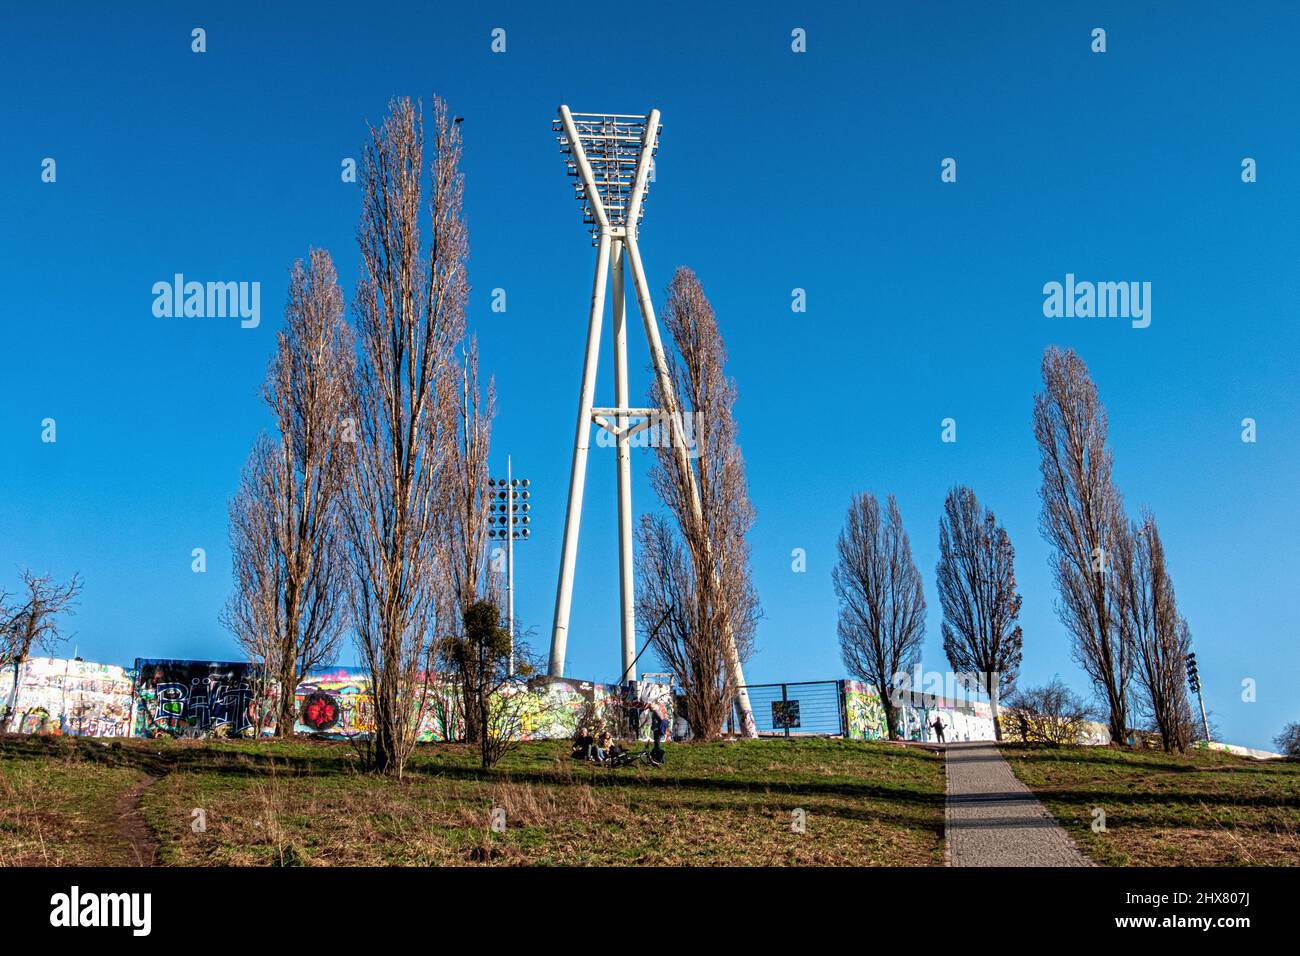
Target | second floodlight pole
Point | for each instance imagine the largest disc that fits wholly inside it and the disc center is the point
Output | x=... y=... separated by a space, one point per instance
x=510 y=566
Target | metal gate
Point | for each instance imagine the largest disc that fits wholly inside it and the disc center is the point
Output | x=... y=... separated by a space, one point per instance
x=813 y=708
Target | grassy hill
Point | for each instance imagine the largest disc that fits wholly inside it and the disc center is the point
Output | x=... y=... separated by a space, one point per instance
x=65 y=801
x=76 y=801
x=1204 y=809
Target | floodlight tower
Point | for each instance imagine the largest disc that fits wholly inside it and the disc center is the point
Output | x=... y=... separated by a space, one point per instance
x=610 y=155
x=508 y=509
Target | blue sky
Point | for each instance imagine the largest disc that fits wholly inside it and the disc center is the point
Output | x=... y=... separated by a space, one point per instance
x=777 y=171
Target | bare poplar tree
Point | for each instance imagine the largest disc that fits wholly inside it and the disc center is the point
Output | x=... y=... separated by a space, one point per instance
x=1148 y=614
x=34 y=623
x=467 y=515
x=882 y=606
x=254 y=612
x=410 y=315
x=668 y=611
x=1082 y=519
x=977 y=588
x=694 y=574
x=287 y=610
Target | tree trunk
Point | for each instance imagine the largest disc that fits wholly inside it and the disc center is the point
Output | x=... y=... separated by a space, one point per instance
x=1118 y=732
x=384 y=751
x=993 y=705
x=891 y=717
x=12 y=711
x=288 y=710
x=483 y=706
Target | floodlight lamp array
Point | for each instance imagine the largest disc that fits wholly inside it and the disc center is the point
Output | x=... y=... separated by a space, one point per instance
x=612 y=144
x=509 y=500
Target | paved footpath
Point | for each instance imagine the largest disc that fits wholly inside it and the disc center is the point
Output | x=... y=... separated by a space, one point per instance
x=992 y=819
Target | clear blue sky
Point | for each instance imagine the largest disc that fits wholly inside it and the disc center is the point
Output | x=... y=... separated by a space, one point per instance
x=777 y=170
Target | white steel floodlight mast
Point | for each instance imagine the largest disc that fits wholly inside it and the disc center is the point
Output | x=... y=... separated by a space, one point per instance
x=610 y=154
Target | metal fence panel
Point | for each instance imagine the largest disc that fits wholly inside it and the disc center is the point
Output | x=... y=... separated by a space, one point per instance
x=803 y=708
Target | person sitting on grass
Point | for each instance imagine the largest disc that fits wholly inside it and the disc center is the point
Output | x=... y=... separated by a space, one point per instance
x=582 y=744
x=603 y=746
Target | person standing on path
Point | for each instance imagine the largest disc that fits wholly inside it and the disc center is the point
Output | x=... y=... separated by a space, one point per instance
x=938 y=727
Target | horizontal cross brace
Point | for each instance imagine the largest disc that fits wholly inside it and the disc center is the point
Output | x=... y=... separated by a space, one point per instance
x=628 y=412
x=601 y=416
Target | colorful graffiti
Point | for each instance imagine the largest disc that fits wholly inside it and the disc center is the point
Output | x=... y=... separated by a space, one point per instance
x=178 y=698
x=184 y=698
x=57 y=696
x=628 y=709
x=547 y=708
x=337 y=703
x=1088 y=732
x=865 y=715
x=334 y=702
x=864 y=712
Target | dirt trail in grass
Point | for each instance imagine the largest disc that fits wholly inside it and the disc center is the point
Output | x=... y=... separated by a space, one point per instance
x=132 y=828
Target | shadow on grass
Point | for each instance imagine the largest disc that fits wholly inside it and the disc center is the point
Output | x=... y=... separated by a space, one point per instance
x=654 y=781
x=1204 y=799
x=162 y=757
x=820 y=809
x=1045 y=755
x=252 y=759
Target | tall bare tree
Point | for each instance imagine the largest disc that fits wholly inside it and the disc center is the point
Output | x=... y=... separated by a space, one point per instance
x=287 y=610
x=33 y=622
x=1161 y=639
x=467 y=516
x=694 y=574
x=1082 y=519
x=254 y=612
x=882 y=606
x=410 y=315
x=977 y=588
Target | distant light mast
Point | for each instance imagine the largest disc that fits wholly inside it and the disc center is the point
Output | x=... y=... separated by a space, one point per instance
x=610 y=154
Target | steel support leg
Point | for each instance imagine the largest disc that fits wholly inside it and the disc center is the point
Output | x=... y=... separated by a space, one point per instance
x=624 y=466
x=578 y=472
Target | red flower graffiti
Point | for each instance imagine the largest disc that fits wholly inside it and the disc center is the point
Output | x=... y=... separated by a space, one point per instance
x=320 y=711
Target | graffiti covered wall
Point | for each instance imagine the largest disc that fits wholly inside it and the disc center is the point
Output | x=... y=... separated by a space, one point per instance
x=337 y=703
x=179 y=698
x=57 y=696
x=1090 y=733
x=185 y=698
x=550 y=707
x=865 y=716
